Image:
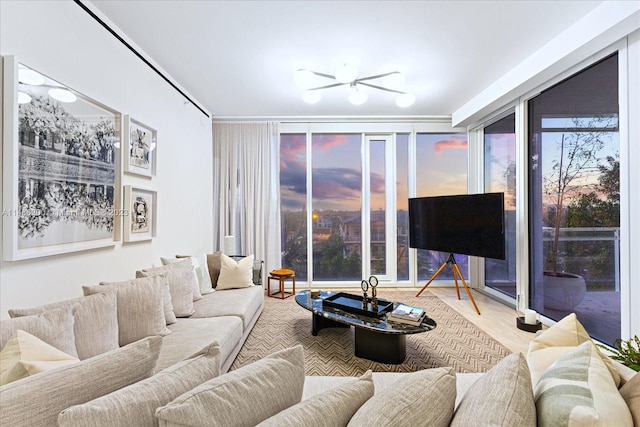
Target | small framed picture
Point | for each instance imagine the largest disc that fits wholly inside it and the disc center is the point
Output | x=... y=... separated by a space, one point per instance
x=140 y=148
x=140 y=220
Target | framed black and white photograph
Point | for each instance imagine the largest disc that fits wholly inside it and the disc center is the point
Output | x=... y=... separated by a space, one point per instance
x=139 y=148
x=60 y=167
x=140 y=206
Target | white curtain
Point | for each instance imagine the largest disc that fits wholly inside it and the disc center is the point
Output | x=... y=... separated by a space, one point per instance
x=246 y=188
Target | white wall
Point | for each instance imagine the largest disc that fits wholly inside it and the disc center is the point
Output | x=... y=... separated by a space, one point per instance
x=61 y=40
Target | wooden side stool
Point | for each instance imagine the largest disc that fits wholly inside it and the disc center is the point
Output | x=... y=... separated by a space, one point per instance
x=281 y=285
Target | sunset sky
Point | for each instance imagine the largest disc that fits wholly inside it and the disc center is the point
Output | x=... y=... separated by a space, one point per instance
x=337 y=174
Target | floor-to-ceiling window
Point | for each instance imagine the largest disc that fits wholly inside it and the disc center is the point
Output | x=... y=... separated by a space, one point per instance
x=574 y=199
x=345 y=202
x=500 y=176
x=293 y=202
x=336 y=191
x=441 y=170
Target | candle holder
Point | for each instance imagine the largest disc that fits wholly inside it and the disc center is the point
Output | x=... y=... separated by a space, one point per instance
x=528 y=322
x=365 y=287
x=373 y=282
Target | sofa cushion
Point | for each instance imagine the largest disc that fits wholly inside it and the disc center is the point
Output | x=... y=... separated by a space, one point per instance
x=55 y=327
x=181 y=283
x=26 y=355
x=95 y=323
x=243 y=303
x=204 y=278
x=191 y=335
x=195 y=282
x=244 y=397
x=501 y=397
x=235 y=274
x=214 y=262
x=140 y=307
x=559 y=339
x=630 y=392
x=579 y=390
x=136 y=404
x=37 y=400
x=334 y=407
x=405 y=401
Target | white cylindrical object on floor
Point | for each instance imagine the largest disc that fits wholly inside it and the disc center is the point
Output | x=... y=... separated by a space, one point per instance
x=530 y=317
x=229 y=245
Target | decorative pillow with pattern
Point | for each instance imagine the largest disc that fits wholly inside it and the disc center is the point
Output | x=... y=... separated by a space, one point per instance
x=578 y=390
x=559 y=339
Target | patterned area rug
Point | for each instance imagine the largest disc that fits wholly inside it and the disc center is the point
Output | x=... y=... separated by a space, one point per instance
x=455 y=342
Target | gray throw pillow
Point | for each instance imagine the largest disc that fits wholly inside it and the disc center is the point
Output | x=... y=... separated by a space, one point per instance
x=423 y=398
x=332 y=408
x=95 y=322
x=181 y=283
x=135 y=405
x=214 y=263
x=244 y=397
x=140 y=307
x=55 y=327
x=501 y=397
x=36 y=401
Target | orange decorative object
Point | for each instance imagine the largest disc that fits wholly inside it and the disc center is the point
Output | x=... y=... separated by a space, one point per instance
x=282 y=272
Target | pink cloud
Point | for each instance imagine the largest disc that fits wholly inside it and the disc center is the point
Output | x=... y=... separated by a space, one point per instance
x=451 y=144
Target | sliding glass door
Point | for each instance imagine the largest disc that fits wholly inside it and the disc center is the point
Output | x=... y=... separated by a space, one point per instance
x=574 y=200
x=500 y=176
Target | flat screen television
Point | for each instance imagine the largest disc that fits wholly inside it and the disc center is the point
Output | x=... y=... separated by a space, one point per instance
x=470 y=224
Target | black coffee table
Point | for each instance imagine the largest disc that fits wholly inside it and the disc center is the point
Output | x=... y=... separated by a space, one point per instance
x=375 y=338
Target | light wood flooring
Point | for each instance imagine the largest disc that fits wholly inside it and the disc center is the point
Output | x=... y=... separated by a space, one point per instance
x=496 y=319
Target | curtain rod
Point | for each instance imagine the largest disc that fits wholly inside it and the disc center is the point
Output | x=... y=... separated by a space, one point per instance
x=138 y=54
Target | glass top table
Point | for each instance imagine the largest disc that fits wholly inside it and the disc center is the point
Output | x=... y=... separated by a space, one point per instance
x=375 y=338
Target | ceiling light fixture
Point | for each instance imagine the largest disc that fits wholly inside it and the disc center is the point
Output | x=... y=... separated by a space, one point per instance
x=348 y=75
x=23 y=97
x=30 y=77
x=62 y=95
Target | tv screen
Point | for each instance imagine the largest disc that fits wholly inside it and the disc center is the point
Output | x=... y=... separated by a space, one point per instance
x=471 y=224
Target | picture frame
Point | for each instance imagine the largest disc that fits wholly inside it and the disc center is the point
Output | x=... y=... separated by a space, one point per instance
x=61 y=167
x=141 y=207
x=139 y=148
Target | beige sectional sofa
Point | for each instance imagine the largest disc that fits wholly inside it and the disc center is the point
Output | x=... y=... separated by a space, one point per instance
x=121 y=333
x=178 y=376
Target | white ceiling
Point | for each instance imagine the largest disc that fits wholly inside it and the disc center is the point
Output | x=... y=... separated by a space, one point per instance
x=237 y=58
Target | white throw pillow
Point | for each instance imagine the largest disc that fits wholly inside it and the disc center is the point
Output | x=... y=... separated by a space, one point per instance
x=235 y=274
x=26 y=355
